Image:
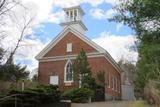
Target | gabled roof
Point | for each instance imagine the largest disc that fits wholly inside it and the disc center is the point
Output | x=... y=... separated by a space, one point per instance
x=82 y=37
x=62 y=34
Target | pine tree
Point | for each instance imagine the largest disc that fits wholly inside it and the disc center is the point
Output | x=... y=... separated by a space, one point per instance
x=13 y=72
x=82 y=70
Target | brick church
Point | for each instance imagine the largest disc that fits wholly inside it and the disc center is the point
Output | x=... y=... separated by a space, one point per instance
x=56 y=59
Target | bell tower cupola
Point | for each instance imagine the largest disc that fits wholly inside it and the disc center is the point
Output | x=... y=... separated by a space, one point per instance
x=73 y=17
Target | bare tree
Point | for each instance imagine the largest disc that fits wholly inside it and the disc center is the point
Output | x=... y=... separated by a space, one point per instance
x=27 y=24
x=6 y=6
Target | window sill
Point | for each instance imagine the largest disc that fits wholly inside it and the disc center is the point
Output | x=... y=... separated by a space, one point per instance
x=68 y=81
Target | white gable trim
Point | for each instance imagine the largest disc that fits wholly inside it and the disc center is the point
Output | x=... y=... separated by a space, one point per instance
x=62 y=34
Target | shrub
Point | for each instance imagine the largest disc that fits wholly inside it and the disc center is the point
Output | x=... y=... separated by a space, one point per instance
x=68 y=94
x=80 y=95
x=152 y=92
x=43 y=94
x=99 y=93
x=50 y=93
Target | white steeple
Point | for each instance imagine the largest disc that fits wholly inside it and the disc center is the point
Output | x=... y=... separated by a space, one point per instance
x=73 y=17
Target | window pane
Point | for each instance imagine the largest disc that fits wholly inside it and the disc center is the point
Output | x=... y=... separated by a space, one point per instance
x=69 y=72
x=69 y=47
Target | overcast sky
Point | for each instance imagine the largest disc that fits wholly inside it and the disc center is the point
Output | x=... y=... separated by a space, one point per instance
x=116 y=38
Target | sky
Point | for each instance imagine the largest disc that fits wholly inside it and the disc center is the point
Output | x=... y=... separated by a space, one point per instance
x=116 y=38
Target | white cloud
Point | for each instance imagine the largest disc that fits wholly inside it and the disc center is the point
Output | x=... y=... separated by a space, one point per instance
x=31 y=44
x=56 y=17
x=97 y=13
x=42 y=8
x=66 y=3
x=100 y=14
x=118 y=46
x=113 y=2
x=28 y=50
x=94 y=3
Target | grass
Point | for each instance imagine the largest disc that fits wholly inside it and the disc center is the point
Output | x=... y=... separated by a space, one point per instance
x=139 y=104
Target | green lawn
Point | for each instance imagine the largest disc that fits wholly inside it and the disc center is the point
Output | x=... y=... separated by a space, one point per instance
x=139 y=104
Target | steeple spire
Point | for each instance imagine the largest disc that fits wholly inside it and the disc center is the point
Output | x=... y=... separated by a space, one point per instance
x=73 y=17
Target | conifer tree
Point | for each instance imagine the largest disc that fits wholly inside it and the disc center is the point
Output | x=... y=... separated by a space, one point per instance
x=82 y=70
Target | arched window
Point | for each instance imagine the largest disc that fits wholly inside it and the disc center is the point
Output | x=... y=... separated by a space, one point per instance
x=68 y=77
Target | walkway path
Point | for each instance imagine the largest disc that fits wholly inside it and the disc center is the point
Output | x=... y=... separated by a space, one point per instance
x=103 y=104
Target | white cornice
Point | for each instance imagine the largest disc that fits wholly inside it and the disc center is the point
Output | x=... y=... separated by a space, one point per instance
x=74 y=22
x=66 y=57
x=75 y=7
x=89 y=55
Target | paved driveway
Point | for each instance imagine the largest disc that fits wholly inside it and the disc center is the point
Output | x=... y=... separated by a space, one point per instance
x=103 y=104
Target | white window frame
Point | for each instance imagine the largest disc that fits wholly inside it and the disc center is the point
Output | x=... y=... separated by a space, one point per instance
x=65 y=70
x=109 y=80
x=119 y=86
x=69 y=47
x=116 y=83
x=112 y=82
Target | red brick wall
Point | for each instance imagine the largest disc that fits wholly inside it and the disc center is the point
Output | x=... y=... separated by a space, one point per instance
x=47 y=69
x=77 y=44
x=100 y=63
